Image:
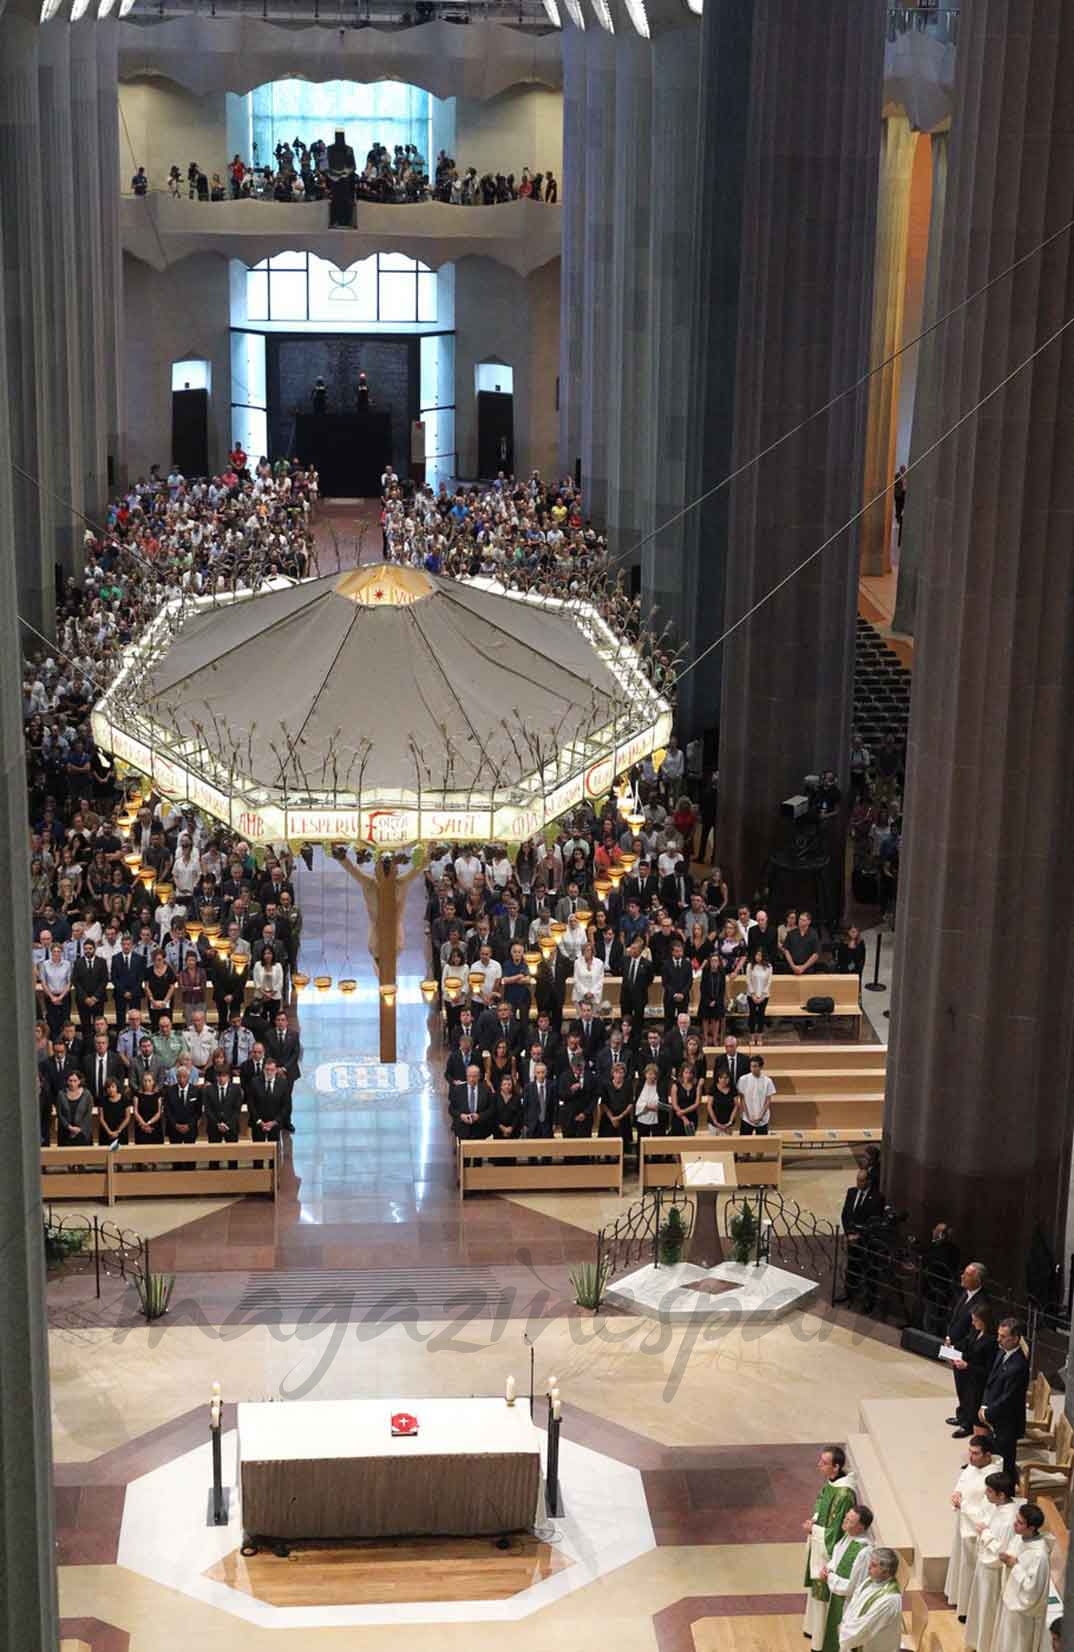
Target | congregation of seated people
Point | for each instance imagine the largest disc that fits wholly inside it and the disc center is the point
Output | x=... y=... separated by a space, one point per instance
x=539 y=1048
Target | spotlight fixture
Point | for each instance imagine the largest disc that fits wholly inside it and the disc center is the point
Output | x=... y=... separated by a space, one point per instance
x=551 y=11
x=575 y=13
x=638 y=16
x=604 y=15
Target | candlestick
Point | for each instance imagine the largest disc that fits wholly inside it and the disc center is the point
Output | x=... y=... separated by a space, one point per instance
x=556 y=1409
x=553 y=1396
x=509 y=1392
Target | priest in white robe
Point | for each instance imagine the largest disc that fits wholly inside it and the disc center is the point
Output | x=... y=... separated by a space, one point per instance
x=872 y=1619
x=971 y=1510
x=845 y=1570
x=994 y=1537
x=823 y=1529
x=1022 y=1625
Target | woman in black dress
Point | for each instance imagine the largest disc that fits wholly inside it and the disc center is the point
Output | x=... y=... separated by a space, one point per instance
x=685 y=1099
x=507 y=1123
x=500 y=1068
x=699 y=947
x=161 y=985
x=722 y=1106
x=617 y=1107
x=113 y=1115
x=717 y=897
x=148 y=1114
x=978 y=1357
x=712 y=1006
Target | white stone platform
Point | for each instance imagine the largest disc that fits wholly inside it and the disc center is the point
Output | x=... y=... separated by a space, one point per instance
x=761 y=1293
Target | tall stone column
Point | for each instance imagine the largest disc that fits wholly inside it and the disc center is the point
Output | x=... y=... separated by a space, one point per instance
x=664 y=411
x=980 y=1092
x=28 y=1611
x=795 y=93
x=628 y=294
x=926 y=398
x=89 y=277
x=602 y=208
x=897 y=145
x=572 y=249
x=107 y=38
x=64 y=358
x=25 y=320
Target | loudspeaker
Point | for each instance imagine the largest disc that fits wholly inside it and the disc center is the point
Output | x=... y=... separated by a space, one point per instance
x=920 y=1342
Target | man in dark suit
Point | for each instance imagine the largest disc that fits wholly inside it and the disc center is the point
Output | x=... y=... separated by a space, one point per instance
x=252 y=1068
x=459 y=1058
x=637 y=979
x=606 y=944
x=102 y=1065
x=182 y=1109
x=270 y=1098
x=732 y=1062
x=269 y=1103
x=677 y=977
x=539 y=1103
x=510 y=927
x=221 y=1100
x=127 y=973
x=549 y=1040
x=959 y=1324
x=1003 y=1408
x=589 y=1028
x=673 y=1047
x=282 y=1043
x=89 y=981
x=676 y=889
x=495 y=1022
x=614 y=1049
x=864 y=1203
x=472 y=1107
x=55 y=1069
x=642 y=885
x=577 y=1098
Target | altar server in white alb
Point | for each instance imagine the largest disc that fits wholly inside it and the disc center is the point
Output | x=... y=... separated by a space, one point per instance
x=971 y=1510
x=872 y=1619
x=994 y=1537
x=845 y=1570
x=1021 y=1625
x=823 y=1529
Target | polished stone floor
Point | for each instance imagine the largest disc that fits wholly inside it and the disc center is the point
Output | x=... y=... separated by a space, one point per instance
x=369 y=1277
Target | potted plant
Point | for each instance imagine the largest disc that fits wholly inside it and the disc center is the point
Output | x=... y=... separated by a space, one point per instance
x=671 y=1237
x=588 y=1282
x=743 y=1235
x=154 y=1293
x=60 y=1243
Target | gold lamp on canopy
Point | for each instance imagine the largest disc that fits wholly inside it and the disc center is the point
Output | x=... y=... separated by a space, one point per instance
x=557 y=928
x=628 y=859
x=132 y=861
x=388 y=994
x=476 y=979
x=322 y=982
x=348 y=985
x=533 y=960
x=194 y=929
x=299 y=980
x=428 y=991
x=635 y=822
x=583 y=915
x=602 y=886
x=452 y=988
x=547 y=944
x=239 y=961
x=616 y=874
x=165 y=891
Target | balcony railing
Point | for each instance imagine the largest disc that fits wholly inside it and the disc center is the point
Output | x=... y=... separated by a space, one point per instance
x=939 y=21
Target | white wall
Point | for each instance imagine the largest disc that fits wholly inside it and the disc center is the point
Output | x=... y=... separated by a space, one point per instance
x=179 y=312
x=521 y=127
x=516 y=320
x=161 y=123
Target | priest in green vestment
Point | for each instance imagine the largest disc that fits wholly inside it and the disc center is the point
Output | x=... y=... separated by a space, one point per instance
x=845 y=1570
x=823 y=1529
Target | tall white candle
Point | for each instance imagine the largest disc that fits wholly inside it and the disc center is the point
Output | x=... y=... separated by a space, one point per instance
x=510 y=1391
x=556 y=1409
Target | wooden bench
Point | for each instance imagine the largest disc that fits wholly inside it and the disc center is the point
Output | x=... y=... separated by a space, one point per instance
x=824 y=1113
x=212 y=1015
x=789 y=993
x=846 y=1137
x=479 y=1173
x=800 y=1059
x=758 y=1159
x=135 y=1173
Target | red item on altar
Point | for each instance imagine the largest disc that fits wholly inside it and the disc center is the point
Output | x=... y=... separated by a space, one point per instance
x=403 y=1424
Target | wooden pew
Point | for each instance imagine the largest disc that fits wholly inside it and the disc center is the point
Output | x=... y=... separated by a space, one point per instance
x=129 y=1173
x=789 y=994
x=478 y=1173
x=758 y=1159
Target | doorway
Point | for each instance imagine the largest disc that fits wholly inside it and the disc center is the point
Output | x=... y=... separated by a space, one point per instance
x=495 y=386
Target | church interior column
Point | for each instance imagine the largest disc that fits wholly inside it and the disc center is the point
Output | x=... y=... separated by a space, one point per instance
x=28 y=1610
x=602 y=206
x=28 y=341
x=89 y=279
x=980 y=1077
x=107 y=36
x=794 y=204
x=897 y=145
x=572 y=249
x=915 y=519
x=64 y=361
